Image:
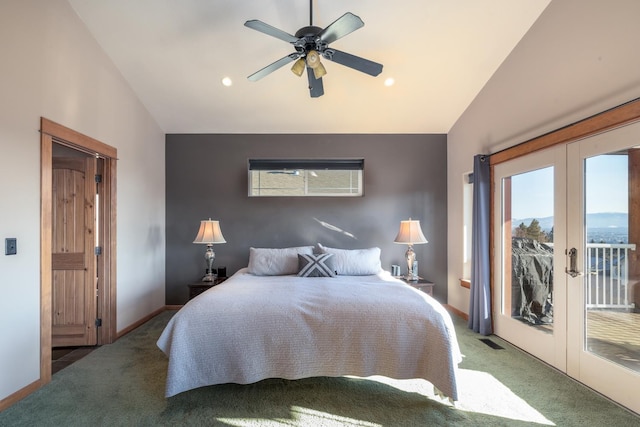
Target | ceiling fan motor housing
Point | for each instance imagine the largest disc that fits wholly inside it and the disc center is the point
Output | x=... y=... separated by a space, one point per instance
x=308 y=40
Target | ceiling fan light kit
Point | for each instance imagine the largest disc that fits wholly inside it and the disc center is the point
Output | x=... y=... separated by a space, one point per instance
x=313 y=59
x=298 y=67
x=313 y=62
x=319 y=71
x=310 y=44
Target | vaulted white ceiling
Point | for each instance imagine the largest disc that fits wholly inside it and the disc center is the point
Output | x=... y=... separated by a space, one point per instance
x=174 y=54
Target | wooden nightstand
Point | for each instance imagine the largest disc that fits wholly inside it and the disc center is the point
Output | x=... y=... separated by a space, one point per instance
x=197 y=288
x=423 y=285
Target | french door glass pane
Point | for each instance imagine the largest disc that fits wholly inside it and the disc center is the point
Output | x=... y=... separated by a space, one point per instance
x=528 y=247
x=612 y=325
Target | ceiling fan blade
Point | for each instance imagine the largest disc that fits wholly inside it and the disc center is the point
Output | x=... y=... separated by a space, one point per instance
x=342 y=26
x=316 y=88
x=352 y=61
x=272 y=67
x=270 y=30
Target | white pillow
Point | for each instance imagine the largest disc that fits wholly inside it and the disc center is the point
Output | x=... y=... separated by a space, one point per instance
x=354 y=262
x=276 y=262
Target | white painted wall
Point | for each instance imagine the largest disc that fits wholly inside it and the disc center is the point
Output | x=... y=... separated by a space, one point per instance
x=580 y=58
x=50 y=66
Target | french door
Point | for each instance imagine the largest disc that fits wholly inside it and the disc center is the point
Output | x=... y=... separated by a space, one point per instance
x=603 y=203
x=530 y=290
x=566 y=270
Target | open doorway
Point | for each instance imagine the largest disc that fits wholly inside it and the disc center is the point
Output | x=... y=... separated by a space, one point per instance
x=78 y=176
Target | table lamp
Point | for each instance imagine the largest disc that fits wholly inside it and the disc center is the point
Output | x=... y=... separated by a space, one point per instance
x=410 y=234
x=209 y=234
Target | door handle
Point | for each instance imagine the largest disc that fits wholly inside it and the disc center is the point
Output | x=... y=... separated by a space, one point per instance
x=572 y=270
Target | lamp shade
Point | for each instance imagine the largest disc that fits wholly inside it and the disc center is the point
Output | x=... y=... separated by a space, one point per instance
x=209 y=232
x=410 y=233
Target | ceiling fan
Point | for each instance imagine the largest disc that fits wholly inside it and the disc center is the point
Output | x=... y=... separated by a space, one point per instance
x=310 y=44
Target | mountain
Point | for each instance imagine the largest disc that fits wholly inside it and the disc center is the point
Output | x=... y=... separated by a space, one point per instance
x=608 y=220
x=594 y=220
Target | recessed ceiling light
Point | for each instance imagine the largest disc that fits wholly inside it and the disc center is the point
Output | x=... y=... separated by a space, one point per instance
x=389 y=81
x=227 y=81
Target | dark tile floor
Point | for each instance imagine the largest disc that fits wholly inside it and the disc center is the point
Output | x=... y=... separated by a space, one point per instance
x=61 y=357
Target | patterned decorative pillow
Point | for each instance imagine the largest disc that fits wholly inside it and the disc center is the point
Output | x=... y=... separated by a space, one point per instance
x=316 y=265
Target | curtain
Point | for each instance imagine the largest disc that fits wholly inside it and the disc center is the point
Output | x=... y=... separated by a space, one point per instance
x=480 y=301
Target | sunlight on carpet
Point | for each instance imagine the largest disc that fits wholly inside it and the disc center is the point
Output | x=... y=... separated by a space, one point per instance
x=480 y=393
x=301 y=417
x=483 y=393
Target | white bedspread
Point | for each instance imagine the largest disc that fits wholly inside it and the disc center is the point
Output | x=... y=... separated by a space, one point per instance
x=251 y=328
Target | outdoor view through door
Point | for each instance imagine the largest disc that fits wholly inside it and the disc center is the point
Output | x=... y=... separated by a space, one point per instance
x=611 y=326
x=528 y=208
x=611 y=323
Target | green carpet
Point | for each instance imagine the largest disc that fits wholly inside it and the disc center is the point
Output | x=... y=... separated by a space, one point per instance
x=122 y=384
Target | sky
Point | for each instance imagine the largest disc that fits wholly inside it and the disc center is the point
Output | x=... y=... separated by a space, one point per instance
x=606 y=188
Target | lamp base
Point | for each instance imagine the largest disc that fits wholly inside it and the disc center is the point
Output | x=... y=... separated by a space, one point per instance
x=209 y=257
x=412 y=265
x=209 y=277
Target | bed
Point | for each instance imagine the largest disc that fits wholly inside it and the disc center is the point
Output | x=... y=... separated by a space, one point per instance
x=258 y=326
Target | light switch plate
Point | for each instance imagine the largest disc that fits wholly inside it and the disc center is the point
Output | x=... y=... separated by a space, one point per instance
x=10 y=246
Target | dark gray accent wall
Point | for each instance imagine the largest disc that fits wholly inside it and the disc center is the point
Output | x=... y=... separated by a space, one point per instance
x=206 y=177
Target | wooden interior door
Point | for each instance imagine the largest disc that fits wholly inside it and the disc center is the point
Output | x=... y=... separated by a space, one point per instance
x=74 y=299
